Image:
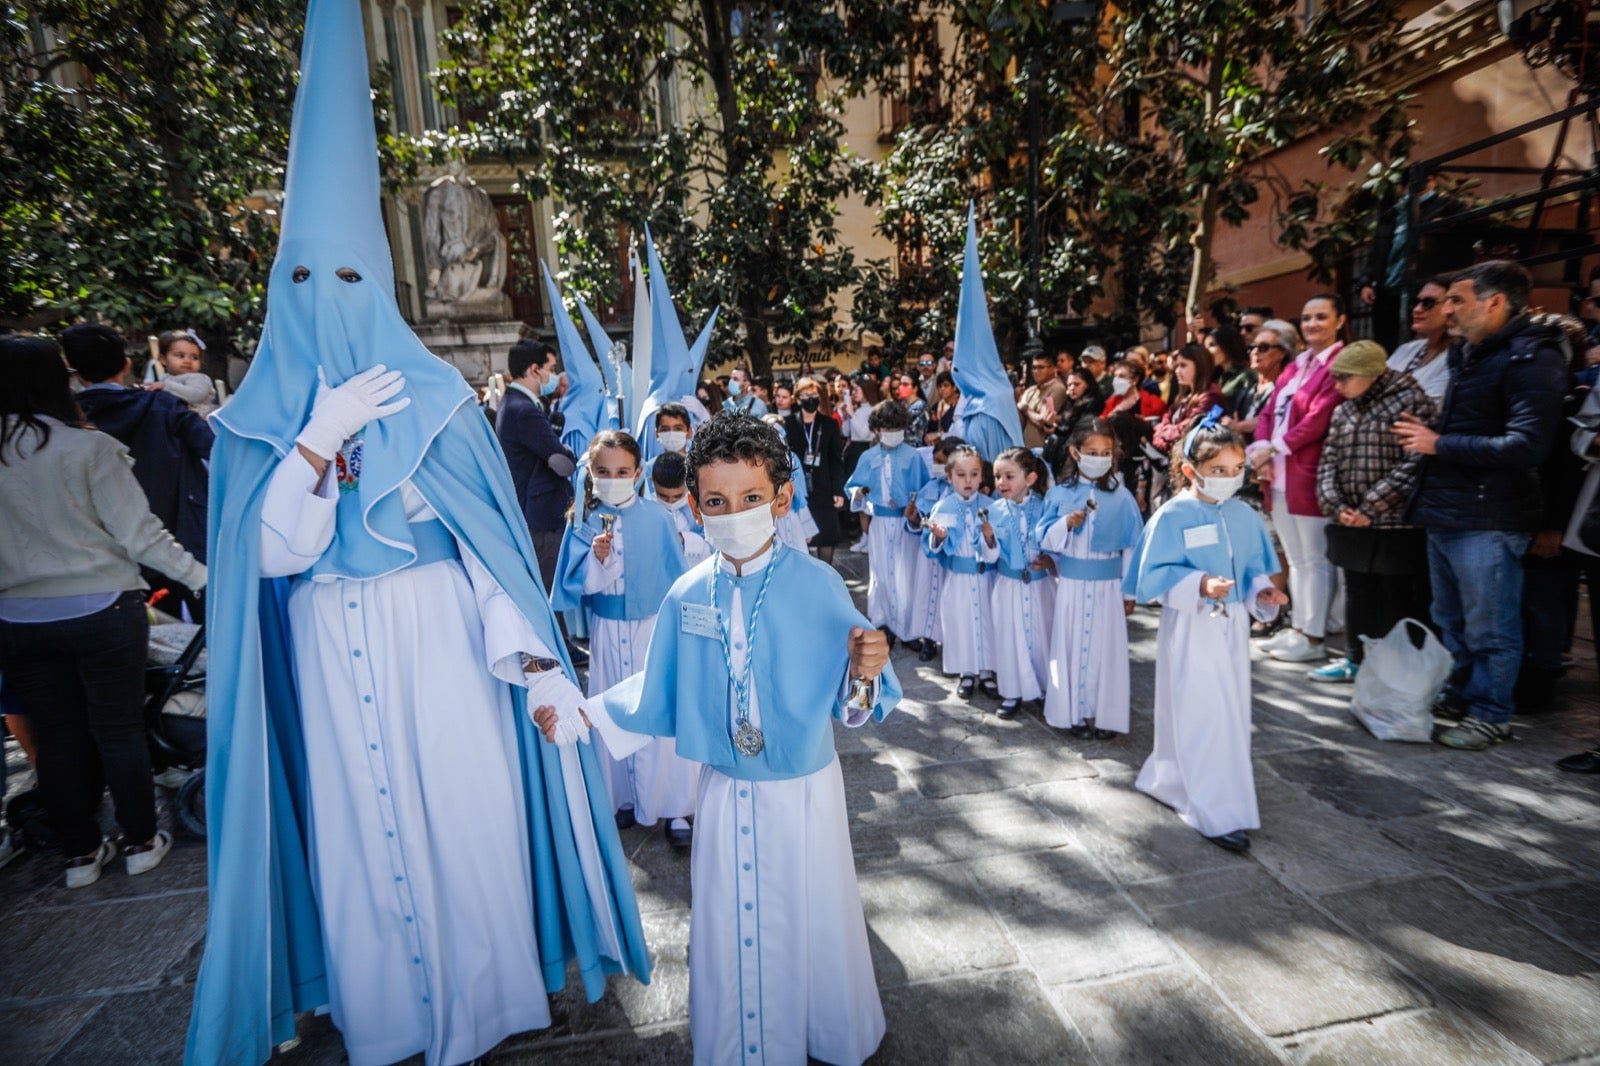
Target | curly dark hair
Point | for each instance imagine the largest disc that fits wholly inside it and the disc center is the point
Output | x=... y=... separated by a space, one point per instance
x=734 y=437
x=890 y=415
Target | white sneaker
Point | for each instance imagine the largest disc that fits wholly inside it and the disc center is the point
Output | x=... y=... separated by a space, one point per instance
x=87 y=874
x=1299 y=650
x=860 y=545
x=1281 y=638
x=140 y=862
x=8 y=847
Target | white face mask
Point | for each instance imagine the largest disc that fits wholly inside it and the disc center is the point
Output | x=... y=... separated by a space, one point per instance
x=739 y=536
x=673 y=440
x=1221 y=488
x=938 y=470
x=1094 y=467
x=676 y=505
x=1120 y=386
x=891 y=438
x=613 y=490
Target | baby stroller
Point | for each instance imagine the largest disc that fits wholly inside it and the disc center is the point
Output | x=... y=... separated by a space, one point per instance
x=174 y=714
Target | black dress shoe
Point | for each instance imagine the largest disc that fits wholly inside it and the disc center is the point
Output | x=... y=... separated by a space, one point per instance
x=968 y=686
x=1585 y=762
x=1009 y=709
x=1087 y=730
x=1237 y=841
x=929 y=650
x=679 y=838
x=625 y=818
x=990 y=687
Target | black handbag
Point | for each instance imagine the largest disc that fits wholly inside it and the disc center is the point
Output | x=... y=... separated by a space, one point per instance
x=1368 y=550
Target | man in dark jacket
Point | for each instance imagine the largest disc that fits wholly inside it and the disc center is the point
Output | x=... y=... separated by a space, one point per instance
x=170 y=444
x=541 y=467
x=1478 y=495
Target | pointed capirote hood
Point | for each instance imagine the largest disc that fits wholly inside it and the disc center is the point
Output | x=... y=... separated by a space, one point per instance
x=331 y=307
x=674 y=366
x=981 y=377
x=584 y=402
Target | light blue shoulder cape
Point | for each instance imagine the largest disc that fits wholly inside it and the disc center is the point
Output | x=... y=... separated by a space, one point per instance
x=653 y=558
x=1117 y=522
x=1188 y=535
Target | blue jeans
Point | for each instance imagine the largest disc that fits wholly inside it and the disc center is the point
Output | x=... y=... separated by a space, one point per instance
x=1477 y=608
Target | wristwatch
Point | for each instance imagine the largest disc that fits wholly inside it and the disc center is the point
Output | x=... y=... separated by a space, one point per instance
x=534 y=665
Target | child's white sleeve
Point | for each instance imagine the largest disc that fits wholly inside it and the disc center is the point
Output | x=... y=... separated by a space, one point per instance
x=598 y=576
x=986 y=552
x=1261 y=612
x=619 y=741
x=1185 y=595
x=507 y=633
x=1127 y=564
x=851 y=716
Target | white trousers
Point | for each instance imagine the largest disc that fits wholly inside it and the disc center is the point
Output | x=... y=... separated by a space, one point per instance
x=1311 y=576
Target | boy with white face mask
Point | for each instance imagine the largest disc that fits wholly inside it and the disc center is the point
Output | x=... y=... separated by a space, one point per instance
x=669 y=480
x=673 y=430
x=884 y=485
x=776 y=916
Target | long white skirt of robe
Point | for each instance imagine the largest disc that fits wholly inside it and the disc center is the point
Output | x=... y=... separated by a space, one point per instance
x=779 y=966
x=964 y=609
x=655 y=781
x=923 y=619
x=1022 y=614
x=418 y=837
x=1201 y=763
x=1088 y=640
x=889 y=556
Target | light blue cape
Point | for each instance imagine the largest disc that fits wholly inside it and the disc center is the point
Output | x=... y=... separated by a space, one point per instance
x=264 y=955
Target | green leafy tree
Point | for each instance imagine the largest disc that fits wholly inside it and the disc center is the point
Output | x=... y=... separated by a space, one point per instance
x=134 y=141
x=717 y=123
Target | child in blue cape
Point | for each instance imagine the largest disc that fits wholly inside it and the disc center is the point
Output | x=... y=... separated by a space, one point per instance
x=884 y=485
x=1024 y=590
x=1089 y=528
x=1208 y=560
x=618 y=558
x=924 y=630
x=673 y=430
x=758 y=652
x=669 y=479
x=959 y=537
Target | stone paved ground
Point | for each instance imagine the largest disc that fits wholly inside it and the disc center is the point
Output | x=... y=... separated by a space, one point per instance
x=1402 y=904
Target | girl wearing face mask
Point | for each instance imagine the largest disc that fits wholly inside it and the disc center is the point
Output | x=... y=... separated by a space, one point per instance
x=1088 y=526
x=1024 y=589
x=963 y=542
x=1208 y=560
x=884 y=485
x=616 y=564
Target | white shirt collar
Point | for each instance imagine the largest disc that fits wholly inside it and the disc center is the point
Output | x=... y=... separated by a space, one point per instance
x=752 y=566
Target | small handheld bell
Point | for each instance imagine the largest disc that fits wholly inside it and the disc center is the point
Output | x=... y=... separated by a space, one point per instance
x=607 y=523
x=861 y=694
x=983 y=514
x=1092 y=504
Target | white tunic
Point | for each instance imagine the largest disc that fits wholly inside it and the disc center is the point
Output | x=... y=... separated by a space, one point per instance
x=1088 y=676
x=891 y=559
x=965 y=609
x=1021 y=613
x=417 y=832
x=927 y=581
x=655 y=781
x=779 y=966
x=1201 y=763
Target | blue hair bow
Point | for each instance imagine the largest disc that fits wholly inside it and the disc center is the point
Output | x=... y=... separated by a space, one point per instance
x=1210 y=421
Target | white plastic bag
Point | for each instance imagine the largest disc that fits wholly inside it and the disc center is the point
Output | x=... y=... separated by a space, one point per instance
x=1398 y=683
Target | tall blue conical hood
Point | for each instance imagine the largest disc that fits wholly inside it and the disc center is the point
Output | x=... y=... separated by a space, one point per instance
x=584 y=403
x=601 y=341
x=674 y=369
x=985 y=388
x=331 y=309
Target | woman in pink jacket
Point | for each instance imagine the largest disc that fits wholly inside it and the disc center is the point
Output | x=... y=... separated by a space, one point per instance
x=1287 y=449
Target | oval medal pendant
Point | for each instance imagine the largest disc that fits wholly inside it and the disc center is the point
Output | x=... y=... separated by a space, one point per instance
x=747 y=739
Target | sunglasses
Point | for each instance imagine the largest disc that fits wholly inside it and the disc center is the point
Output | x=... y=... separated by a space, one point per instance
x=1267 y=347
x=1426 y=303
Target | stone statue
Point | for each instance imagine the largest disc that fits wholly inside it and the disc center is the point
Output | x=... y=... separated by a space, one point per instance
x=462 y=242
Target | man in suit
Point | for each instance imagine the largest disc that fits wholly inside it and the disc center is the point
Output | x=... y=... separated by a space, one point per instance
x=541 y=467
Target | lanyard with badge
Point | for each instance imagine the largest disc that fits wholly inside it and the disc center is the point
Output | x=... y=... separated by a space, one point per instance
x=701 y=620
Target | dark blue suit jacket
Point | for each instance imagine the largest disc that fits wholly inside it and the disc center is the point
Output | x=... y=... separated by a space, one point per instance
x=529 y=441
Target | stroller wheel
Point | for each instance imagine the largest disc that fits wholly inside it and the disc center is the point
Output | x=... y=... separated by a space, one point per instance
x=190 y=804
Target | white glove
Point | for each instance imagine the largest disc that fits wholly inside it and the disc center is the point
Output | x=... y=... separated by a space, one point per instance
x=339 y=414
x=555 y=690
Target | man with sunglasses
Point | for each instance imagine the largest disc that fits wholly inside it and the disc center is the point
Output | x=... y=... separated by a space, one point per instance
x=1425 y=358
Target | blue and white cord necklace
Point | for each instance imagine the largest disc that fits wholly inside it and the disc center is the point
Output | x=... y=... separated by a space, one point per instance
x=747 y=739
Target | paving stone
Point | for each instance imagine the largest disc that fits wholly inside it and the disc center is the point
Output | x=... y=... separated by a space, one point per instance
x=1536 y=992
x=128 y=1029
x=1484 y=853
x=30 y=1035
x=1283 y=964
x=1353 y=784
x=664 y=1047
x=1570 y=911
x=63 y=952
x=1240 y=875
x=1132 y=835
x=1169 y=1016
x=874 y=780
x=931 y=922
x=976 y=1021
x=627 y=1004
x=1066 y=919
x=955 y=731
x=1016 y=770
x=1506 y=783
x=957 y=829
x=660 y=871
x=183 y=870
x=1322 y=850
x=1420 y=1038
